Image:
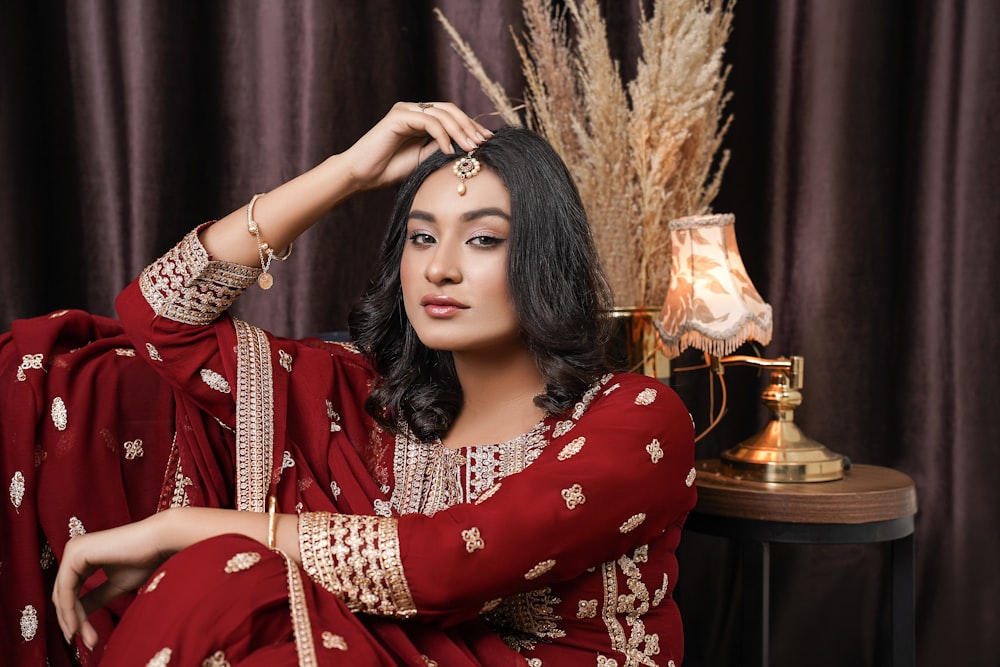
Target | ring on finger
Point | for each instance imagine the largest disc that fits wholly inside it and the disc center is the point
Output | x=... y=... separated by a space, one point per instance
x=423 y=106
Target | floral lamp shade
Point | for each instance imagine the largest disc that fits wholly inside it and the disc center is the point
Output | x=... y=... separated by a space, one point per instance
x=711 y=303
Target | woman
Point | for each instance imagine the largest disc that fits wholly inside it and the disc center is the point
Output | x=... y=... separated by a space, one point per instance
x=469 y=485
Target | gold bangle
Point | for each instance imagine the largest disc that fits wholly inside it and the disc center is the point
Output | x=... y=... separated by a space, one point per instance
x=271 y=520
x=265 y=279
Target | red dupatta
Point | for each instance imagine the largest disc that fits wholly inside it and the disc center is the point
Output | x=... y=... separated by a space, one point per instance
x=94 y=438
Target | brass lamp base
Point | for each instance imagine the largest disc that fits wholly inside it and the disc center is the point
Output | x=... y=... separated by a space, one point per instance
x=781 y=452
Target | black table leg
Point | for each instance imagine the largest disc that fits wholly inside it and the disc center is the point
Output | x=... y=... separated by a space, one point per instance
x=902 y=553
x=756 y=557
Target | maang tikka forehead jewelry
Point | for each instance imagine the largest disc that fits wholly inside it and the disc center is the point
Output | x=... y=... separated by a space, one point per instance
x=465 y=167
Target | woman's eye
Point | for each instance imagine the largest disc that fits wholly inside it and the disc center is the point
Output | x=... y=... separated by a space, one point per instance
x=420 y=238
x=486 y=241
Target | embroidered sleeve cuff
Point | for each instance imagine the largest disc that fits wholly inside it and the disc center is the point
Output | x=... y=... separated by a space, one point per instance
x=186 y=286
x=356 y=558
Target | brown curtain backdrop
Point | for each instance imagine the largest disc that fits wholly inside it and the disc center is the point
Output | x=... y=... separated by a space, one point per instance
x=864 y=179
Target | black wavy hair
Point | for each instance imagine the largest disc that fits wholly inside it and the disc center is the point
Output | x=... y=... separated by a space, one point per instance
x=559 y=292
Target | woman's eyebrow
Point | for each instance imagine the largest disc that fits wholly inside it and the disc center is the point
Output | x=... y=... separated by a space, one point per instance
x=488 y=212
x=468 y=216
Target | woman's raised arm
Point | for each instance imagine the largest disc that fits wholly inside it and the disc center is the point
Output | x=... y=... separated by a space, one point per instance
x=384 y=155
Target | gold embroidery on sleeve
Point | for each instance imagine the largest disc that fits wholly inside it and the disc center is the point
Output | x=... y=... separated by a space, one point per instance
x=574 y=496
x=572 y=448
x=332 y=641
x=473 y=540
x=540 y=569
x=58 y=412
x=161 y=659
x=691 y=476
x=242 y=561
x=17 y=490
x=661 y=592
x=428 y=661
x=29 y=623
x=655 y=451
x=215 y=380
x=356 y=558
x=184 y=285
x=646 y=396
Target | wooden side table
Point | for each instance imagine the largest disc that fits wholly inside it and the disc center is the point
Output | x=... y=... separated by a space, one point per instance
x=871 y=504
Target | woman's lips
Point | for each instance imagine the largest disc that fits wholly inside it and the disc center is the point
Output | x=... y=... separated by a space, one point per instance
x=441 y=306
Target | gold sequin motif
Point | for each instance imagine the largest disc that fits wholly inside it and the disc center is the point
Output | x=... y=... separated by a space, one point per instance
x=603 y=661
x=161 y=659
x=334 y=417
x=586 y=609
x=632 y=523
x=646 y=396
x=572 y=448
x=154 y=582
x=125 y=351
x=76 y=527
x=29 y=623
x=473 y=540
x=17 y=490
x=540 y=569
x=655 y=451
x=285 y=360
x=490 y=605
x=574 y=496
x=692 y=474
x=217 y=659
x=488 y=493
x=562 y=428
x=47 y=559
x=133 y=449
x=154 y=354
x=58 y=412
x=215 y=381
x=242 y=561
x=332 y=641
x=29 y=362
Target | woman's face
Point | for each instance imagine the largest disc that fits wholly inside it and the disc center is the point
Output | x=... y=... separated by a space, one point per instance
x=454 y=264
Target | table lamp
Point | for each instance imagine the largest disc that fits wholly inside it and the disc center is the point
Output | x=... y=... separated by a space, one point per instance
x=712 y=305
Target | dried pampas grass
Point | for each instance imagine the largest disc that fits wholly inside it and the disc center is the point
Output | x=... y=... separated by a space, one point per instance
x=643 y=153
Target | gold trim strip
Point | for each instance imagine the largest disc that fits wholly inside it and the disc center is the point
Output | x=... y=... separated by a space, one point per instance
x=254 y=417
x=301 y=627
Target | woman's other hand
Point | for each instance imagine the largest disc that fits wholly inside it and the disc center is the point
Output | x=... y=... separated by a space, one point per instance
x=128 y=555
x=393 y=148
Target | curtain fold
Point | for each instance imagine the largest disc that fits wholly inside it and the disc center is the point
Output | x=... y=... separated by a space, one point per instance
x=866 y=158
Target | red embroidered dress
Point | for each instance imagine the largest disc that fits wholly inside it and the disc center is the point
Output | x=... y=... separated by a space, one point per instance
x=556 y=548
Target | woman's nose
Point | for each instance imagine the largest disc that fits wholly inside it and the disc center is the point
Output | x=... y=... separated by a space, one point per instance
x=443 y=266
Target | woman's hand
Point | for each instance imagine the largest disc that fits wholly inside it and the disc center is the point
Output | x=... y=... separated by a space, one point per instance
x=128 y=555
x=393 y=148
x=387 y=153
